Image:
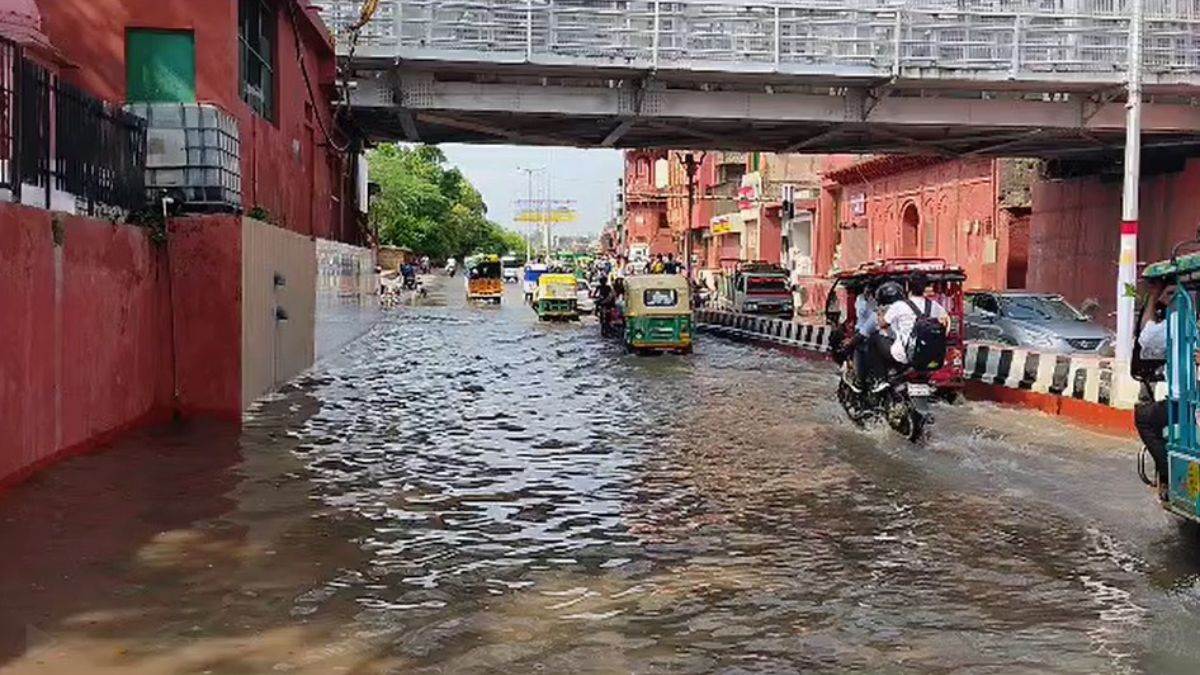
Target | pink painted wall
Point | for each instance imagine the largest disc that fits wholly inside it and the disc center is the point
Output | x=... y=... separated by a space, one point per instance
x=86 y=350
x=1074 y=231
x=956 y=209
x=645 y=205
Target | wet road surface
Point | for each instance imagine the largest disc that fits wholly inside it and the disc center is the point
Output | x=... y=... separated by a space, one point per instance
x=467 y=490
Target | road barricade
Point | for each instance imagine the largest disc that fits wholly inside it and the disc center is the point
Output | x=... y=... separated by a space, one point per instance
x=1081 y=387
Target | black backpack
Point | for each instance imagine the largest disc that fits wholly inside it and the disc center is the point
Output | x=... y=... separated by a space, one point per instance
x=927 y=341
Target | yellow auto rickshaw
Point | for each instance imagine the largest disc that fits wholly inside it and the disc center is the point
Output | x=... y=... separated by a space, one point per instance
x=555 y=298
x=485 y=280
x=658 y=313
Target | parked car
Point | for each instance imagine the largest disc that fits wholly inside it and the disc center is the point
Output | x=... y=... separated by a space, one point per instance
x=1039 y=321
x=585 y=303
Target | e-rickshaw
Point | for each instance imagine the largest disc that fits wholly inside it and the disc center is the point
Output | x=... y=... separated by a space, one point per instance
x=658 y=313
x=556 y=297
x=947 y=281
x=484 y=280
x=1182 y=496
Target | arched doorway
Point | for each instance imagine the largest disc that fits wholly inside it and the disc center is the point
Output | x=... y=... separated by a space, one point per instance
x=910 y=225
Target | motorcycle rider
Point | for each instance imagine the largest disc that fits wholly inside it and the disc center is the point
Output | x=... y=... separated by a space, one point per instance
x=892 y=343
x=409 y=274
x=604 y=297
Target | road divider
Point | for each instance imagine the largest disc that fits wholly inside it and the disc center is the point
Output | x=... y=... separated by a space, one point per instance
x=1081 y=387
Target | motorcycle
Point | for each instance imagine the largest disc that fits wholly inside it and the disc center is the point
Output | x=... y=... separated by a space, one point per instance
x=902 y=399
x=612 y=323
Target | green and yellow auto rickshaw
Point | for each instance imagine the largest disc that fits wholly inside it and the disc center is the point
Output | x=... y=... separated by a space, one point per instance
x=555 y=298
x=658 y=313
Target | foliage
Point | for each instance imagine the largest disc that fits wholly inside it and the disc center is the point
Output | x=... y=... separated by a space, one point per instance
x=431 y=208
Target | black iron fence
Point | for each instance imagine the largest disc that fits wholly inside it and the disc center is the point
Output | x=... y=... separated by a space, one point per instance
x=55 y=137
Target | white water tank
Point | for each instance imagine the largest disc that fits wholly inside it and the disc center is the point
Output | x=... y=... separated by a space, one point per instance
x=193 y=149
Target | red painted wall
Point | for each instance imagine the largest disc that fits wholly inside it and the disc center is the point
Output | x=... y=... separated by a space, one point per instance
x=206 y=275
x=1074 y=231
x=286 y=167
x=83 y=351
x=86 y=350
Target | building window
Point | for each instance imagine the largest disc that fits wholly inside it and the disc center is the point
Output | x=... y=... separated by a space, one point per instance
x=256 y=54
x=160 y=66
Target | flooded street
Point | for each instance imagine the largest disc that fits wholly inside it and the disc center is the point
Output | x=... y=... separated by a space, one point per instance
x=467 y=490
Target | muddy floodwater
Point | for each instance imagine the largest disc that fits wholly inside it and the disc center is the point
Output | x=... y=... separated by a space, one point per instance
x=467 y=490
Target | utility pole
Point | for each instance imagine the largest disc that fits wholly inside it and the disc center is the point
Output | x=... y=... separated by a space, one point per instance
x=529 y=171
x=546 y=218
x=1127 y=262
x=690 y=165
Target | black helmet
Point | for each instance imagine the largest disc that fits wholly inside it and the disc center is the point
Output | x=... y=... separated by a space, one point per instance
x=889 y=292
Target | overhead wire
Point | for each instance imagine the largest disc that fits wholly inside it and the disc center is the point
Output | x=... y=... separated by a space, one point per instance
x=369 y=9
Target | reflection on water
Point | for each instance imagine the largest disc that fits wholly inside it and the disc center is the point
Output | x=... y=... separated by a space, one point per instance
x=469 y=490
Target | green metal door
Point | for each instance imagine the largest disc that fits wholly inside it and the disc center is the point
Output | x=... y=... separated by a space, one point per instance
x=160 y=66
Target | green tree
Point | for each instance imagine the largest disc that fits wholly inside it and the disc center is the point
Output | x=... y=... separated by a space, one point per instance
x=429 y=207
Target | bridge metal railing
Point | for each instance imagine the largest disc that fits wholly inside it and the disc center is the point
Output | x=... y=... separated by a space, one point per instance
x=981 y=39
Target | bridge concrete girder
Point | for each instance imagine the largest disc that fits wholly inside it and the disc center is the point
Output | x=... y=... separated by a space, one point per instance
x=847 y=119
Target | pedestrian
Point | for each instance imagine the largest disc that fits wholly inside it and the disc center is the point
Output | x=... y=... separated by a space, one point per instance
x=671 y=266
x=658 y=266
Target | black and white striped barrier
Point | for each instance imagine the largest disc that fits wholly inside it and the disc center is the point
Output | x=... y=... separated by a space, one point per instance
x=1086 y=378
x=768 y=329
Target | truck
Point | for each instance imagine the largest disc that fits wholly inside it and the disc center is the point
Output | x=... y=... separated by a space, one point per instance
x=759 y=288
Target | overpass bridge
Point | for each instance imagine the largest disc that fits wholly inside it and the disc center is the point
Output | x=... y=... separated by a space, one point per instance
x=1042 y=78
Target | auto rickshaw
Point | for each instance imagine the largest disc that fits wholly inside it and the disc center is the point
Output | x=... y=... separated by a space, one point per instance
x=658 y=313
x=1182 y=496
x=947 y=281
x=555 y=298
x=484 y=280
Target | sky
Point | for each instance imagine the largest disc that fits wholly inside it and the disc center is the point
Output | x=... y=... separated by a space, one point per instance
x=587 y=176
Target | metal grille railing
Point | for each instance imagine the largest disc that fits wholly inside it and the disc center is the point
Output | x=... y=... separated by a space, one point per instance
x=100 y=151
x=980 y=37
x=54 y=136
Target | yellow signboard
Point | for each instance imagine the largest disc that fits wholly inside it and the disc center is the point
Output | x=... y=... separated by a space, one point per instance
x=726 y=225
x=553 y=217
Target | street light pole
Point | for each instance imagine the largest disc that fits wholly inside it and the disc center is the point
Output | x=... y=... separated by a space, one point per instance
x=1127 y=261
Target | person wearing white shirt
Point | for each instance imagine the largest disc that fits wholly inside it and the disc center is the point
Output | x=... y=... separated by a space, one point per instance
x=1150 y=416
x=901 y=315
x=866 y=322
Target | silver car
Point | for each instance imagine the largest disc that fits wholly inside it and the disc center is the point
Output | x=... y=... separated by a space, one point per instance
x=1040 y=321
